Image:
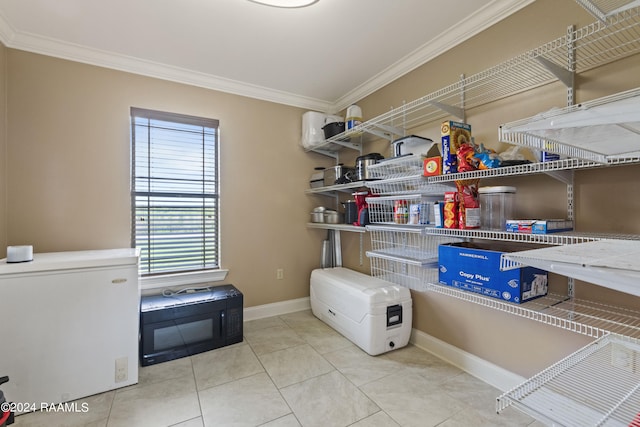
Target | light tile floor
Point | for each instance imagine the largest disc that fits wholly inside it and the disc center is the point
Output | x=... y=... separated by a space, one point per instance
x=293 y=370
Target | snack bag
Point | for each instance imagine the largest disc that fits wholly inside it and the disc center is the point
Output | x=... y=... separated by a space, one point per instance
x=466 y=158
x=468 y=203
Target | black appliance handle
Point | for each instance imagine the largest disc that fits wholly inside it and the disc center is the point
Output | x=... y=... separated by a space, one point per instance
x=4 y=379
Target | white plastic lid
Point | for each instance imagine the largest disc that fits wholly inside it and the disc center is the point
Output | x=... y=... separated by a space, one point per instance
x=498 y=189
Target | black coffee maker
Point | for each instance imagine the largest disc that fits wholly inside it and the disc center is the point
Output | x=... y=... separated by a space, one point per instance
x=6 y=414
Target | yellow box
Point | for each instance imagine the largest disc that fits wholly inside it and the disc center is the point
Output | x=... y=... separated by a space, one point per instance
x=453 y=135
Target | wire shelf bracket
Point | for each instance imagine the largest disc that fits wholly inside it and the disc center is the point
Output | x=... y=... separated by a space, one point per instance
x=565 y=76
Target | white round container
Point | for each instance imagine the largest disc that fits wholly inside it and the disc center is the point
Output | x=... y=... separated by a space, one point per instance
x=496 y=206
x=354 y=117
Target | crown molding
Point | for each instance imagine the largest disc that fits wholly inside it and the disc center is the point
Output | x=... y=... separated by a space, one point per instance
x=69 y=51
x=7 y=32
x=490 y=14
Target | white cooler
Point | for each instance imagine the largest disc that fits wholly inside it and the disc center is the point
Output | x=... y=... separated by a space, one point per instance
x=374 y=314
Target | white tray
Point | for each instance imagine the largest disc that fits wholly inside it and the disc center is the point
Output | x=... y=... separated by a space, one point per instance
x=613 y=264
x=601 y=130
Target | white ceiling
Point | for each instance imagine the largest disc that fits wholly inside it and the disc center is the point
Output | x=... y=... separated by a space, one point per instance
x=323 y=57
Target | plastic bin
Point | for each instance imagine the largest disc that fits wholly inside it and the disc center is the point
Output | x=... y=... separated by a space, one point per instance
x=496 y=206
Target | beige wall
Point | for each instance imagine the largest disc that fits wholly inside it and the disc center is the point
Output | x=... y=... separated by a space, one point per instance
x=68 y=174
x=519 y=345
x=3 y=149
x=68 y=169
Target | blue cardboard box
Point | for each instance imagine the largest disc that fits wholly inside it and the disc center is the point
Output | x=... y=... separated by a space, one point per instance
x=452 y=135
x=476 y=268
x=538 y=226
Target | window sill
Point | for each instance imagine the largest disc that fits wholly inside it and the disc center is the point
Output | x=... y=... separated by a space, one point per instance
x=182 y=279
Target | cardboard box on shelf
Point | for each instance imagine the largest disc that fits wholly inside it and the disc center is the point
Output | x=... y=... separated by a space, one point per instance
x=453 y=135
x=546 y=156
x=432 y=166
x=476 y=268
x=538 y=226
x=450 y=210
x=438 y=214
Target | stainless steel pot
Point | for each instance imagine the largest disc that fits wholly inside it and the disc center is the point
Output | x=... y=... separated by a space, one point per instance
x=318 y=214
x=332 y=217
x=362 y=164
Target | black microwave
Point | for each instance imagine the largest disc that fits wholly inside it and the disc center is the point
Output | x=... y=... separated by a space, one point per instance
x=182 y=324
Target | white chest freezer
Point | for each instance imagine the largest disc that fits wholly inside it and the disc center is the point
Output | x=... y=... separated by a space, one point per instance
x=373 y=314
x=71 y=323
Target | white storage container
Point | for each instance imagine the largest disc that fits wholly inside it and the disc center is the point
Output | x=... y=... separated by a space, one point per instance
x=372 y=313
x=413 y=144
x=496 y=206
x=312 y=124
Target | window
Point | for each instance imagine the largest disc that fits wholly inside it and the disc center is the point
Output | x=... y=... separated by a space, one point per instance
x=174 y=195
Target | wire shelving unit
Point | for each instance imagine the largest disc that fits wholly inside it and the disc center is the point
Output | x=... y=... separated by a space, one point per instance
x=598 y=385
x=580 y=50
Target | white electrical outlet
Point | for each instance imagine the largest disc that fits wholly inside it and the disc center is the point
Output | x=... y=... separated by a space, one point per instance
x=122 y=369
x=280 y=273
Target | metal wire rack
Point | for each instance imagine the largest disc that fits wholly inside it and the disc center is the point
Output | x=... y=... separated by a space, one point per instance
x=585 y=317
x=411 y=274
x=338 y=227
x=580 y=50
x=382 y=208
x=409 y=184
x=605 y=41
x=406 y=243
x=581 y=316
x=338 y=188
x=582 y=398
x=562 y=238
x=405 y=166
x=595 y=319
x=602 y=9
x=524 y=169
x=599 y=385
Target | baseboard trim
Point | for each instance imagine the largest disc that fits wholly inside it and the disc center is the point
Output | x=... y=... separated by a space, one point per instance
x=491 y=374
x=276 y=308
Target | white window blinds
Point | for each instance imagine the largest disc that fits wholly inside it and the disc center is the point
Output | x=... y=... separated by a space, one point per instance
x=174 y=197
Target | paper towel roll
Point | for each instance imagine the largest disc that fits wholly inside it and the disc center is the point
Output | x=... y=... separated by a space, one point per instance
x=19 y=253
